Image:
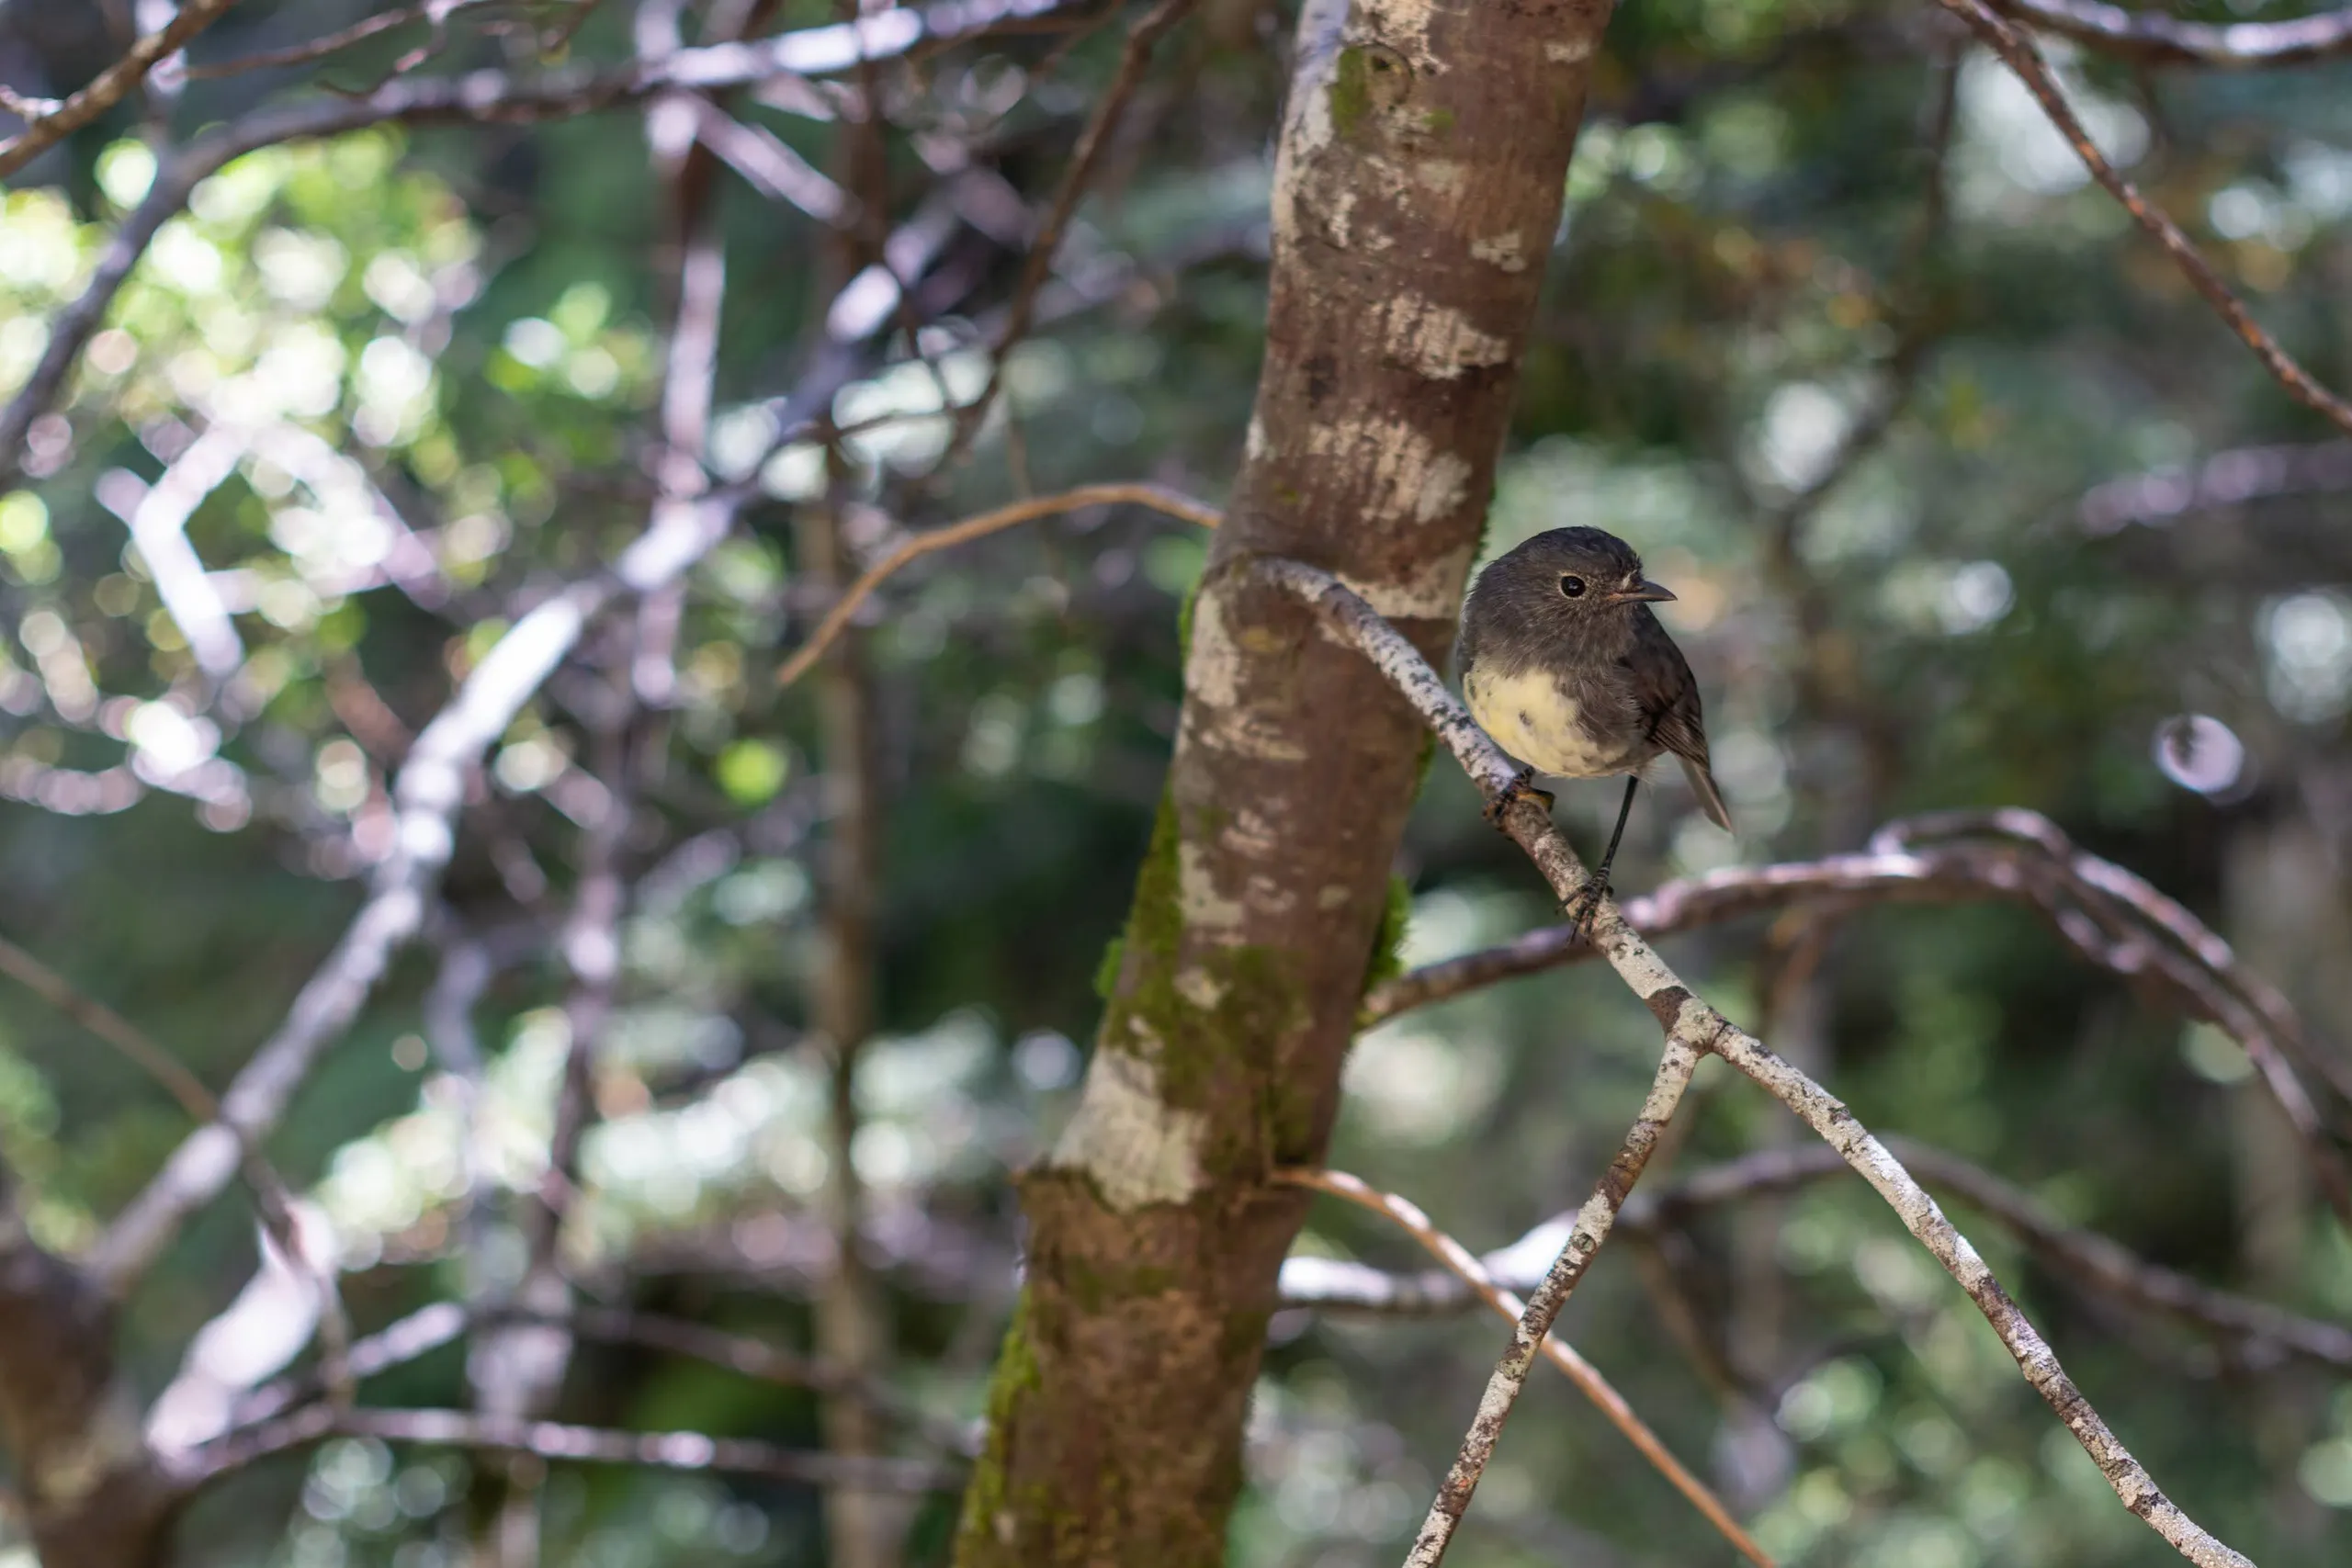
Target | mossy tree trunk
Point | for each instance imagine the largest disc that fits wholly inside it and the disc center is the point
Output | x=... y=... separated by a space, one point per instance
x=1416 y=194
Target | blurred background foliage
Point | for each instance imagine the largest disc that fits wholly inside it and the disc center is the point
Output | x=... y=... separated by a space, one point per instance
x=1788 y=220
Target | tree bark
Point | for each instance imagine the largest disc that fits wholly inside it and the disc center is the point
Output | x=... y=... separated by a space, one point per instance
x=1416 y=194
x=91 y=1496
x=852 y=1329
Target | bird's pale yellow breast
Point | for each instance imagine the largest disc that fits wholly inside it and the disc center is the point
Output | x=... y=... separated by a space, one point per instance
x=1531 y=718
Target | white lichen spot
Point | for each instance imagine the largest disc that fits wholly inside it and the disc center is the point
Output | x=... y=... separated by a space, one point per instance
x=1505 y=252
x=1430 y=590
x=1343 y=206
x=1198 y=899
x=1570 y=50
x=1402 y=25
x=1446 y=177
x=1213 y=672
x=1444 y=484
x=1401 y=471
x=1200 y=987
x=1253 y=443
x=1331 y=898
x=1212 y=667
x=1271 y=898
x=1312 y=130
x=1252 y=832
x=1136 y=1148
x=1640 y=967
x=1439 y=341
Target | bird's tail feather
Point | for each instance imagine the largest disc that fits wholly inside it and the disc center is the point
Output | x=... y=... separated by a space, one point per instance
x=1709 y=797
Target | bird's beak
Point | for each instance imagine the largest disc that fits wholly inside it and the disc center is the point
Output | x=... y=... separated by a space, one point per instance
x=1647 y=593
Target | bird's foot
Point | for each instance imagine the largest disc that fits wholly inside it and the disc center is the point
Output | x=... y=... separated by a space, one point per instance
x=1520 y=788
x=1583 y=904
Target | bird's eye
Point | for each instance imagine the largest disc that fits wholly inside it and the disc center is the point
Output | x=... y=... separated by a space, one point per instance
x=1572 y=586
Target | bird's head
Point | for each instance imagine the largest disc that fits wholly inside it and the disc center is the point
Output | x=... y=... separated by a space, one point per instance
x=1577 y=573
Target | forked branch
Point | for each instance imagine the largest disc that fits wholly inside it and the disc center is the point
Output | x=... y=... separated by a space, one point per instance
x=1156 y=497
x=2019 y=52
x=2111 y=917
x=110 y=87
x=2153 y=37
x=1587 y=1378
x=1692 y=1025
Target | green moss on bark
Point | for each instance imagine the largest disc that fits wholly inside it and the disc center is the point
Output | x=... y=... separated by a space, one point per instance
x=988 y=1497
x=1388 y=942
x=1350 y=91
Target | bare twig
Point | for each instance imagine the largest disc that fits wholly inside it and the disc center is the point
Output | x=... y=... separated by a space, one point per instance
x=158 y=528
x=316 y=49
x=2023 y=58
x=1510 y=1376
x=1092 y=143
x=769 y=166
x=1153 y=496
x=427 y=796
x=136 y=1046
x=429 y=1328
x=480 y=97
x=1838 y=1125
x=2184 y=955
x=557 y=1441
x=2225 y=480
x=2083 y=1260
x=2108 y=916
x=272 y=1198
x=111 y=86
x=1693 y=1025
x=2153 y=37
x=1587 y=1378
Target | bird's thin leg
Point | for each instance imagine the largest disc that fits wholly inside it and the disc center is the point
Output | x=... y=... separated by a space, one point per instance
x=1588 y=900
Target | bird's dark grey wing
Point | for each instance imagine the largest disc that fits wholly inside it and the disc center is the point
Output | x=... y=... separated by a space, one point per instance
x=1668 y=696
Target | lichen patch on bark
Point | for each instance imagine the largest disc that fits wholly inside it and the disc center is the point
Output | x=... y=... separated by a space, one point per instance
x=1132 y=1144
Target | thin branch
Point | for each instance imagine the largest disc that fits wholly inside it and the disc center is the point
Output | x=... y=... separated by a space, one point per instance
x=1510 y=1376
x=2083 y=1260
x=430 y=1329
x=272 y=1198
x=2186 y=955
x=1692 y=1024
x=2020 y=55
x=136 y=1045
x=1587 y=1378
x=110 y=87
x=2108 y=916
x=1092 y=143
x=2153 y=37
x=2225 y=479
x=478 y=97
x=560 y=1441
x=1156 y=497
x=770 y=166
x=1838 y=1125
x=426 y=798
x=316 y=49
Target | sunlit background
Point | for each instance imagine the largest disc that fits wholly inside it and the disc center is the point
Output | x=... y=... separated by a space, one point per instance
x=420 y=369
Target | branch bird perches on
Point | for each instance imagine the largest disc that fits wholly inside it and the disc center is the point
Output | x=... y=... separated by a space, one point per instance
x=1693 y=1029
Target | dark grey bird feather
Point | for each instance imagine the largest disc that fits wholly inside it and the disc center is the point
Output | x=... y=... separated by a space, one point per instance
x=1563 y=663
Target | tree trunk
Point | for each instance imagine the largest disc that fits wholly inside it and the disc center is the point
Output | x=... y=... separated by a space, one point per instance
x=1416 y=195
x=863 y=1528
x=90 y=1497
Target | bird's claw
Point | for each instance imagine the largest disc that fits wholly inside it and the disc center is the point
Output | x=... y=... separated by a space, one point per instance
x=1583 y=904
x=1520 y=788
